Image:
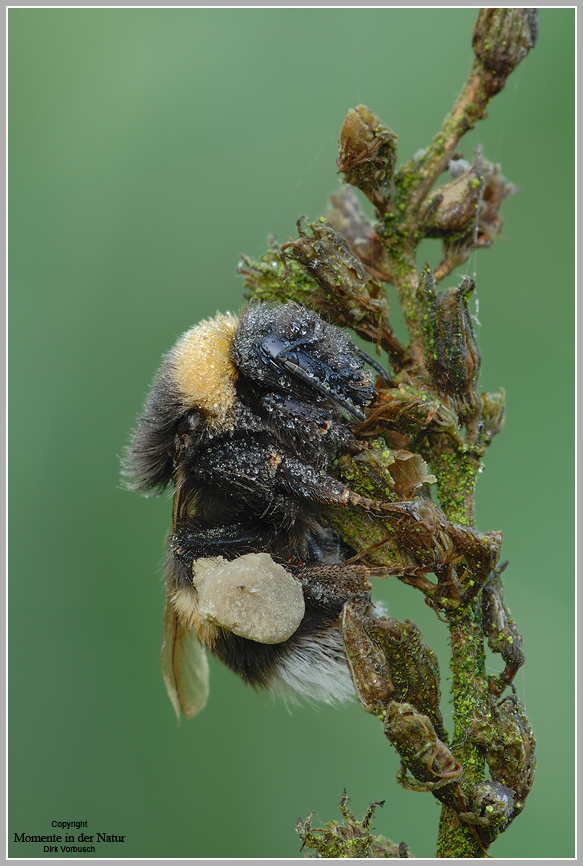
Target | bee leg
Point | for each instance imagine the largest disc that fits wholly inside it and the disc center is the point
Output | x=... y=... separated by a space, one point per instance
x=254 y=470
x=310 y=421
x=187 y=544
x=336 y=583
x=332 y=585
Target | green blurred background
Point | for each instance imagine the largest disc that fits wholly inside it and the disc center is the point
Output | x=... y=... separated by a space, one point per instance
x=148 y=149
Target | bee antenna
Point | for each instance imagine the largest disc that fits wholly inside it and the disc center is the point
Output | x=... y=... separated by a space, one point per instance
x=374 y=364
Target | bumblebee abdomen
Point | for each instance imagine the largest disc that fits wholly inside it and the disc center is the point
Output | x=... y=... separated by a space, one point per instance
x=311 y=663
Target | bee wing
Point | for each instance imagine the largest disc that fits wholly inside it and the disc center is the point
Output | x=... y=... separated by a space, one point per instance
x=184 y=665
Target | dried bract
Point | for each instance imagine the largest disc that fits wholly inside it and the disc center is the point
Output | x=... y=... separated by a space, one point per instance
x=501 y=631
x=412 y=412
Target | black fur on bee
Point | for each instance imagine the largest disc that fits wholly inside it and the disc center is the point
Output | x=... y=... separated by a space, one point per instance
x=244 y=419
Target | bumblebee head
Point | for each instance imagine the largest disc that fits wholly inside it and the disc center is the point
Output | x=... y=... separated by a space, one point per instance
x=291 y=349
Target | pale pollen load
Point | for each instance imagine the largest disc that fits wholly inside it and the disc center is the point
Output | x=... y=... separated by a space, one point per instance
x=254 y=597
x=203 y=370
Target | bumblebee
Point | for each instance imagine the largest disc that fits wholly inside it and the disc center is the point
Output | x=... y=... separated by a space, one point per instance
x=245 y=418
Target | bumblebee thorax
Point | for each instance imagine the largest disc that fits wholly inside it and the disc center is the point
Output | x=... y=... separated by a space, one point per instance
x=203 y=372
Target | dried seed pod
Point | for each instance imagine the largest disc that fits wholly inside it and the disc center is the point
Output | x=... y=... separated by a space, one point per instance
x=407 y=472
x=492 y=806
x=491 y=192
x=451 y=211
x=366 y=661
x=426 y=757
x=496 y=190
x=412 y=666
x=452 y=353
x=389 y=660
x=326 y=255
x=367 y=152
x=507 y=739
x=346 y=215
x=501 y=39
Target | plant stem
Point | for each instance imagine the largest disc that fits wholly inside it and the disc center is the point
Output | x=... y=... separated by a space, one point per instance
x=467 y=664
x=430 y=410
x=457 y=474
x=468 y=109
